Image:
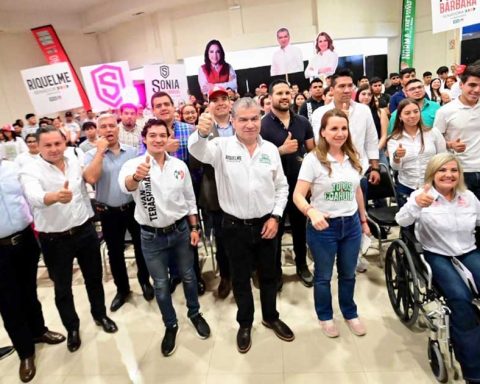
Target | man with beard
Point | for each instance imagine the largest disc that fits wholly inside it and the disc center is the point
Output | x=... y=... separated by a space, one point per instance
x=130 y=132
x=293 y=135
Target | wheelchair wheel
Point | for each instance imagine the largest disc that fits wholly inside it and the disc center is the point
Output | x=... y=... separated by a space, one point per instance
x=437 y=363
x=402 y=282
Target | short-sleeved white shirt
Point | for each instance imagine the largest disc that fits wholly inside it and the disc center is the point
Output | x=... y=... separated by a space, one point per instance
x=334 y=194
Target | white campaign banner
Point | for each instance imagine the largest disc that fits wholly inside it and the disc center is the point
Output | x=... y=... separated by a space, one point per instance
x=451 y=14
x=51 y=88
x=170 y=78
x=107 y=85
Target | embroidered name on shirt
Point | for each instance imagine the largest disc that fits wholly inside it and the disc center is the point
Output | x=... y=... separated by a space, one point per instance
x=148 y=201
x=234 y=159
x=342 y=191
x=264 y=159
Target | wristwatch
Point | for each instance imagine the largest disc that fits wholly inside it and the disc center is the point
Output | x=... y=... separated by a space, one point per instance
x=277 y=218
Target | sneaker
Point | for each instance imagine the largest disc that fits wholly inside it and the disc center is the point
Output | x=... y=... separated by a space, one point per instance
x=168 y=342
x=201 y=326
x=305 y=276
x=356 y=326
x=362 y=265
x=329 y=328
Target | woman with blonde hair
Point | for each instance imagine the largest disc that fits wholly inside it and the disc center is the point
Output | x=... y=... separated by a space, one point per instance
x=325 y=61
x=336 y=218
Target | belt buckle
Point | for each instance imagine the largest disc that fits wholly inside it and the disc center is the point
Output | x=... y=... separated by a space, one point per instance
x=16 y=239
x=247 y=222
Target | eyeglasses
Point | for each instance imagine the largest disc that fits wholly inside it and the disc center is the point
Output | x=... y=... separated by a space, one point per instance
x=31 y=141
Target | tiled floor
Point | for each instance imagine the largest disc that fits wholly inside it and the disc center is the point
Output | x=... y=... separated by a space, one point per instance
x=389 y=353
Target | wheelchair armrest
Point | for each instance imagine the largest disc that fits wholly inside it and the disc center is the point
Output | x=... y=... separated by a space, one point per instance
x=410 y=238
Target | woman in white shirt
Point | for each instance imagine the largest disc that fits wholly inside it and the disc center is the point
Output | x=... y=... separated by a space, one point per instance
x=33 y=152
x=325 y=62
x=337 y=217
x=410 y=147
x=445 y=214
x=12 y=145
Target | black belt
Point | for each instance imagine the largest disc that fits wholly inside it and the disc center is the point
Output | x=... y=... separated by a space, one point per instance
x=14 y=239
x=68 y=232
x=104 y=207
x=164 y=230
x=248 y=222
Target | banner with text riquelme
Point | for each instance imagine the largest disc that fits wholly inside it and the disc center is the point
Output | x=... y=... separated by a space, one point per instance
x=106 y=84
x=451 y=14
x=51 y=88
x=170 y=78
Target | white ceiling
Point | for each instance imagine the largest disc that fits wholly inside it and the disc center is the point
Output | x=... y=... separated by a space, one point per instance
x=53 y=6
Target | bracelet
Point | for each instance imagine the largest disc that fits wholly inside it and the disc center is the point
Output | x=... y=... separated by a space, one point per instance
x=363 y=221
x=193 y=230
x=194 y=227
x=308 y=209
x=135 y=179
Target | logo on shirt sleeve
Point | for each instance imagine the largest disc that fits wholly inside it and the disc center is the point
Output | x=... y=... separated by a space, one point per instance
x=342 y=191
x=179 y=174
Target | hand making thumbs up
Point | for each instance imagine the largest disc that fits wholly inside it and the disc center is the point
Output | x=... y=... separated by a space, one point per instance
x=458 y=145
x=143 y=169
x=425 y=199
x=289 y=145
x=205 y=124
x=172 y=143
x=64 y=195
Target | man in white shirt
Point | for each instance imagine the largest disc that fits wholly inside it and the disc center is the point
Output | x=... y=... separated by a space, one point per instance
x=166 y=210
x=252 y=192
x=130 y=131
x=55 y=189
x=286 y=59
x=459 y=121
x=31 y=126
x=72 y=127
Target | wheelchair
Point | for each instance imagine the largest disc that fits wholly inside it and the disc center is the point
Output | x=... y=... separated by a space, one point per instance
x=414 y=297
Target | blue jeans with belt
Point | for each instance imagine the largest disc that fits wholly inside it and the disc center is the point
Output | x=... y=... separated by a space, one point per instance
x=158 y=250
x=341 y=239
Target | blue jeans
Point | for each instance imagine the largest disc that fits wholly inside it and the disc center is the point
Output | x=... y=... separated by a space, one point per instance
x=159 y=250
x=342 y=238
x=403 y=193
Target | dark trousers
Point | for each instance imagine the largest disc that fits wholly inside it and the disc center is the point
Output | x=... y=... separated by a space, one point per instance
x=298 y=224
x=115 y=223
x=19 y=306
x=245 y=249
x=221 y=256
x=472 y=179
x=59 y=253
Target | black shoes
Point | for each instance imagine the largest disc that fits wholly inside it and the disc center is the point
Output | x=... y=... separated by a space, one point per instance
x=73 y=340
x=201 y=286
x=107 y=324
x=118 y=301
x=168 y=342
x=50 y=337
x=201 y=326
x=6 y=351
x=174 y=281
x=244 y=340
x=224 y=288
x=305 y=276
x=148 y=292
x=27 y=369
x=281 y=329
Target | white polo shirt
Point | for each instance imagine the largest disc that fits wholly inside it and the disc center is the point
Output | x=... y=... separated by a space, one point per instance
x=248 y=187
x=40 y=177
x=457 y=120
x=164 y=196
x=411 y=169
x=334 y=194
x=445 y=227
x=361 y=126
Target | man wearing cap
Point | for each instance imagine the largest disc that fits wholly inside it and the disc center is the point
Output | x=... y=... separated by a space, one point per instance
x=395 y=85
x=314 y=101
x=102 y=166
x=19 y=306
x=287 y=58
x=167 y=213
x=55 y=189
x=130 y=132
x=252 y=192
x=293 y=135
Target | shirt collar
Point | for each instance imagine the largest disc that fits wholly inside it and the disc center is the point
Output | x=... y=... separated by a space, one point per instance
x=259 y=140
x=122 y=148
x=437 y=195
x=333 y=160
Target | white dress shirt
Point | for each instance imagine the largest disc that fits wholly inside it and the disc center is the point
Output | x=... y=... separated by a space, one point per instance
x=411 y=168
x=248 y=187
x=361 y=126
x=334 y=194
x=40 y=177
x=457 y=120
x=25 y=158
x=15 y=213
x=445 y=227
x=163 y=197
x=286 y=60
x=327 y=59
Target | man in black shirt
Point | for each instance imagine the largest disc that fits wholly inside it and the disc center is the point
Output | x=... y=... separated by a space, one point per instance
x=293 y=135
x=381 y=99
x=395 y=85
x=315 y=100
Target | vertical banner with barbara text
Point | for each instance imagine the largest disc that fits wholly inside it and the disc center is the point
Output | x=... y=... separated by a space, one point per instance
x=170 y=78
x=53 y=50
x=408 y=34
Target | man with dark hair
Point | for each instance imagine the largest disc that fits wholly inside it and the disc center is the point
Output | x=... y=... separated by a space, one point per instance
x=415 y=90
x=130 y=133
x=427 y=79
x=115 y=208
x=381 y=99
x=90 y=129
x=459 y=123
x=442 y=73
x=31 y=126
x=293 y=135
x=405 y=75
x=395 y=86
x=56 y=191
x=287 y=59
x=314 y=101
x=363 y=80
x=72 y=127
